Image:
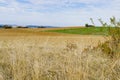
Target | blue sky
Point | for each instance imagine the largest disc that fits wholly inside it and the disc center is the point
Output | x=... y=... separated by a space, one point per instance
x=57 y=12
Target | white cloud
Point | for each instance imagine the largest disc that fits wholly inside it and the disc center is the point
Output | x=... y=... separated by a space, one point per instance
x=57 y=12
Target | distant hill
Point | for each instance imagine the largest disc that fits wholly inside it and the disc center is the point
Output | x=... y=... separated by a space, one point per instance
x=36 y=26
x=29 y=26
x=1 y=25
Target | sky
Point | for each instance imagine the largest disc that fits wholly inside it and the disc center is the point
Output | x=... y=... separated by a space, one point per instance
x=57 y=12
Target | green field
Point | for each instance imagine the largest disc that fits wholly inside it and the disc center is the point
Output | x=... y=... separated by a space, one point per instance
x=84 y=31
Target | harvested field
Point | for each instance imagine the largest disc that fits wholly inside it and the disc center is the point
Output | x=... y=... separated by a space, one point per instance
x=29 y=32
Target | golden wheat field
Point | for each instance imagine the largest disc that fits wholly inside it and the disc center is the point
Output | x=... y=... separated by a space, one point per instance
x=31 y=54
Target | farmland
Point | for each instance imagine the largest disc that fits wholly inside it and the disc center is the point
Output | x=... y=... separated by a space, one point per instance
x=39 y=54
x=84 y=31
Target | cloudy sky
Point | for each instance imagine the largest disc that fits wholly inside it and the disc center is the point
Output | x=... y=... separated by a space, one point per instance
x=57 y=12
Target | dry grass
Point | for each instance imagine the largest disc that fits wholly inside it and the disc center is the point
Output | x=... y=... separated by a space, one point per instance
x=38 y=57
x=32 y=32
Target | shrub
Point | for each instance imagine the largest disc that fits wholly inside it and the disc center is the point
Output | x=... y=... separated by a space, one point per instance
x=19 y=27
x=7 y=26
x=87 y=25
x=112 y=46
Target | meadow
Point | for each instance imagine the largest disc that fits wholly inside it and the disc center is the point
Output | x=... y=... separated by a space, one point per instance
x=39 y=54
x=84 y=31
